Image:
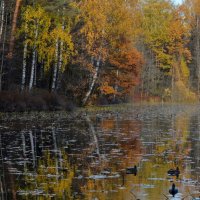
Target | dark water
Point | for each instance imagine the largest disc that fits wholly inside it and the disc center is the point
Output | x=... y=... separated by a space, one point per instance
x=85 y=155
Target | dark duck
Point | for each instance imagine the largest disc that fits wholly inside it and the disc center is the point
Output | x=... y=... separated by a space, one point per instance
x=173 y=191
x=132 y=170
x=174 y=172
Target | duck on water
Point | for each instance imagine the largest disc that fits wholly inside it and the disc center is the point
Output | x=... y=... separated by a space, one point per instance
x=132 y=170
x=174 y=172
x=173 y=191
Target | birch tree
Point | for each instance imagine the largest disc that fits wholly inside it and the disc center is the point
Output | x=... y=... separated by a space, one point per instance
x=3 y=51
x=2 y=17
x=106 y=26
x=59 y=51
x=93 y=35
x=35 y=28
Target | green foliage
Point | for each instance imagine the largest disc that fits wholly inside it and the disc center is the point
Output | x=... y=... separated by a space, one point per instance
x=164 y=31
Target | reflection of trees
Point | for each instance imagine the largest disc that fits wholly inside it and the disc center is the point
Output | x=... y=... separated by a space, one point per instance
x=49 y=180
x=166 y=147
x=195 y=143
x=3 y=190
x=58 y=158
x=33 y=164
x=119 y=142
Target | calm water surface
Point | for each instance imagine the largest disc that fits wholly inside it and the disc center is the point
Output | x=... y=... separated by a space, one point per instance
x=85 y=155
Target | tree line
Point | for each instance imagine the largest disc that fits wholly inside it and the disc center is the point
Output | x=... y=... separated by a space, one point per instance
x=101 y=51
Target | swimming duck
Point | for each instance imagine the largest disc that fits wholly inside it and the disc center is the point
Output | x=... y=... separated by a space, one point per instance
x=174 y=172
x=132 y=170
x=173 y=191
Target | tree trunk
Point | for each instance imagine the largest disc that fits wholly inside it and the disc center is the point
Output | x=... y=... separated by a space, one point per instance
x=32 y=69
x=3 y=52
x=14 y=25
x=53 y=87
x=2 y=18
x=35 y=71
x=93 y=82
x=198 y=54
x=33 y=60
x=24 y=65
x=116 y=86
x=60 y=61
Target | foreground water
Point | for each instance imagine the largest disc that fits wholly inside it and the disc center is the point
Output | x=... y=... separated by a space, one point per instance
x=85 y=155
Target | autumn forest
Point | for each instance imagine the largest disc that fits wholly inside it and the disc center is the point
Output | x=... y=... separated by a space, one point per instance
x=55 y=53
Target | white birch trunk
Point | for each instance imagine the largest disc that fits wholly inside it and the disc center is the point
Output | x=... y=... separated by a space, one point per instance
x=33 y=60
x=32 y=70
x=198 y=54
x=24 y=65
x=60 y=61
x=53 y=87
x=2 y=18
x=35 y=71
x=95 y=75
x=3 y=52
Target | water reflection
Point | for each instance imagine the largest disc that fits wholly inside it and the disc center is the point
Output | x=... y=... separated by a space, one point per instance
x=85 y=156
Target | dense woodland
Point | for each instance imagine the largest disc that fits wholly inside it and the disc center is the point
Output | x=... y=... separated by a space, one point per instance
x=93 y=52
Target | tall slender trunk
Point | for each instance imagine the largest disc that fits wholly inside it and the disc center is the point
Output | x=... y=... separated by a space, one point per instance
x=2 y=17
x=33 y=60
x=35 y=71
x=198 y=53
x=32 y=69
x=3 y=53
x=53 y=87
x=172 y=84
x=24 y=65
x=116 y=86
x=42 y=70
x=14 y=25
x=60 y=61
x=95 y=75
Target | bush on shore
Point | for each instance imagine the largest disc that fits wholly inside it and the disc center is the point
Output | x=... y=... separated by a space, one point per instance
x=37 y=101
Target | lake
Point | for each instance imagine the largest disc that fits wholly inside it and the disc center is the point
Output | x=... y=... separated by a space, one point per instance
x=85 y=154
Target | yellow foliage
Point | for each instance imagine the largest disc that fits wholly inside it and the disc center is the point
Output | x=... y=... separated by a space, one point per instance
x=185 y=70
x=42 y=35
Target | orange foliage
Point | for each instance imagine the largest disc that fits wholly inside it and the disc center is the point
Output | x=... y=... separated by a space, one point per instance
x=123 y=71
x=106 y=89
x=127 y=58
